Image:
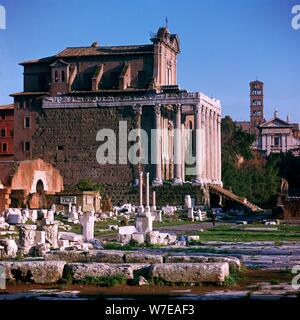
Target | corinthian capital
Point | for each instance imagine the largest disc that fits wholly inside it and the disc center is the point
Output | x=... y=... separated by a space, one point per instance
x=137 y=109
x=197 y=108
x=177 y=107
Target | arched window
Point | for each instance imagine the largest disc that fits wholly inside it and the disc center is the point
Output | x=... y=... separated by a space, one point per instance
x=55 y=76
x=63 y=76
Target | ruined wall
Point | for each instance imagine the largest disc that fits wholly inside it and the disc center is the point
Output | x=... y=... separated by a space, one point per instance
x=292 y=209
x=67 y=139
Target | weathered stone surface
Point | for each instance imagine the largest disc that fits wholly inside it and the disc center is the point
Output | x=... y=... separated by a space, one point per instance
x=10 y=248
x=138 y=237
x=233 y=262
x=143 y=258
x=68 y=256
x=190 y=272
x=70 y=236
x=106 y=256
x=40 y=272
x=156 y=237
x=79 y=271
x=91 y=256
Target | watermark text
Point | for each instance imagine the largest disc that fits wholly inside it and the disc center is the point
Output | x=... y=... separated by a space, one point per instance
x=2 y=17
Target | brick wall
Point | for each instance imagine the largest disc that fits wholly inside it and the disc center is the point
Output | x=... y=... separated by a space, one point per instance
x=67 y=139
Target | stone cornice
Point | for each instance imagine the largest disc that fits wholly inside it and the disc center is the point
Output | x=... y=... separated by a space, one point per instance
x=183 y=98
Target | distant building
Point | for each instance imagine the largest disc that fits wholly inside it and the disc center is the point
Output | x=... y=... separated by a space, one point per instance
x=6 y=131
x=277 y=135
x=256 y=109
x=69 y=97
x=272 y=136
x=6 y=139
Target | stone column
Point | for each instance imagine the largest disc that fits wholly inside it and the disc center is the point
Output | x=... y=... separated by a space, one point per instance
x=219 y=178
x=211 y=147
x=51 y=234
x=177 y=147
x=141 y=207
x=147 y=207
x=183 y=144
x=198 y=166
x=137 y=111
x=157 y=113
x=88 y=221
x=153 y=207
x=26 y=237
x=215 y=146
x=203 y=143
x=207 y=140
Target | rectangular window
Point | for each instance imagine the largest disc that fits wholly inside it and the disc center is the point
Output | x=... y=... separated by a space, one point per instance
x=26 y=146
x=3 y=132
x=27 y=122
x=60 y=148
x=277 y=141
x=4 y=147
x=2 y=115
x=11 y=132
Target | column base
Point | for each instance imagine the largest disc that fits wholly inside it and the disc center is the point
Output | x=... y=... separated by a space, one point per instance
x=157 y=182
x=197 y=182
x=153 y=208
x=140 y=209
x=176 y=182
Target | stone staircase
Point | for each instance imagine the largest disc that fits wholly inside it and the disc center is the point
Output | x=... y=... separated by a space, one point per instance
x=233 y=197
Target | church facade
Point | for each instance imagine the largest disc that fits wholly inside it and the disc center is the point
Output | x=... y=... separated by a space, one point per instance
x=70 y=97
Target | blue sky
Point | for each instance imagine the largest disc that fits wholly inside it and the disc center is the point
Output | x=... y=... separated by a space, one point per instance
x=224 y=43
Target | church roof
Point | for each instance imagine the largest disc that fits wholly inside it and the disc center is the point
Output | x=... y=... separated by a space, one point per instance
x=95 y=50
x=277 y=123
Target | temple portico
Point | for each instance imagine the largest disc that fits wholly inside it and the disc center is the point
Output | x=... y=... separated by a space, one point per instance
x=173 y=140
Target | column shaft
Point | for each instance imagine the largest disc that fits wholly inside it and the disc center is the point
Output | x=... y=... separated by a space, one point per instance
x=198 y=166
x=177 y=146
x=158 y=145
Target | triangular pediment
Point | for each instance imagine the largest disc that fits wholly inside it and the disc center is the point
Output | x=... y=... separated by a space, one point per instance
x=59 y=63
x=275 y=122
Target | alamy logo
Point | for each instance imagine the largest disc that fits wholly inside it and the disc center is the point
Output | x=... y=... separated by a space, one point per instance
x=2 y=17
x=296 y=279
x=2 y=278
x=296 y=19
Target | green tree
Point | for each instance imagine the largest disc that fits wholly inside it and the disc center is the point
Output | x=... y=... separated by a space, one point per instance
x=88 y=185
x=244 y=172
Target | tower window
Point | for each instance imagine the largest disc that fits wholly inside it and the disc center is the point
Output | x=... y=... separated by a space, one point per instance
x=3 y=132
x=55 y=76
x=4 y=147
x=27 y=122
x=26 y=146
x=62 y=76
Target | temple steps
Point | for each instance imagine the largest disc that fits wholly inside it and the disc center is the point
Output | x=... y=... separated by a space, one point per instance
x=233 y=197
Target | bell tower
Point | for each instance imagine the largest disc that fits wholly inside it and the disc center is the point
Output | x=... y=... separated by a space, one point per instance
x=256 y=106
